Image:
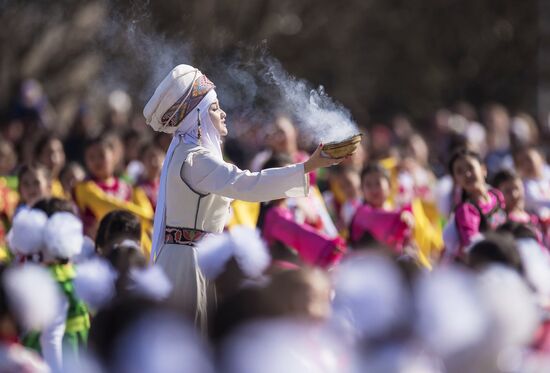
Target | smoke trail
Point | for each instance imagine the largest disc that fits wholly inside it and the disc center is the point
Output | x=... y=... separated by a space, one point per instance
x=250 y=82
x=253 y=83
x=316 y=112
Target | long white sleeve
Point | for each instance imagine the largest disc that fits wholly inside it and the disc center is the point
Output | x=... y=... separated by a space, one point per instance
x=51 y=339
x=207 y=174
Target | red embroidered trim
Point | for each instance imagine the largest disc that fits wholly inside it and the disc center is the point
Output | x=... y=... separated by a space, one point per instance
x=183 y=236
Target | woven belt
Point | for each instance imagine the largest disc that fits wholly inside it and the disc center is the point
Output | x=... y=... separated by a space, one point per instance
x=183 y=236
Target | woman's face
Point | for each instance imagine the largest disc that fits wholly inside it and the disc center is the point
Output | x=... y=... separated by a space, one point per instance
x=468 y=173
x=376 y=189
x=217 y=115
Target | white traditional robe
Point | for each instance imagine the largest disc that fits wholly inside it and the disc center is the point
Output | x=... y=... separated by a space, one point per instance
x=199 y=190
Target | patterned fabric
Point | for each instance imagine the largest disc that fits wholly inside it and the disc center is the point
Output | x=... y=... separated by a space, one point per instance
x=78 y=319
x=187 y=102
x=183 y=236
x=495 y=216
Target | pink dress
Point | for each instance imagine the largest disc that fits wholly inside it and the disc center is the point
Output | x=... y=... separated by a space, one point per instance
x=386 y=227
x=313 y=247
x=472 y=220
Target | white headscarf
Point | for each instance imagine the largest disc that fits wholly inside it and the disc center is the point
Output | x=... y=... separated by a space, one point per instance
x=179 y=81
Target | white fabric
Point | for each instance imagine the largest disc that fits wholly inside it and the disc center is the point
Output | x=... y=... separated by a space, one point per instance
x=192 y=170
x=51 y=338
x=177 y=83
x=207 y=174
x=26 y=234
x=188 y=134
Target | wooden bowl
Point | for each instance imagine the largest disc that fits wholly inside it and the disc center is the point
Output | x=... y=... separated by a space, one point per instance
x=341 y=149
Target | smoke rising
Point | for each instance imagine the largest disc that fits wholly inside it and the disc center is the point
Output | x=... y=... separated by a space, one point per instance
x=251 y=84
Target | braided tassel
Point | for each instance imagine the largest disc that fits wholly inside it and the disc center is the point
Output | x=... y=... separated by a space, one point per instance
x=199 y=132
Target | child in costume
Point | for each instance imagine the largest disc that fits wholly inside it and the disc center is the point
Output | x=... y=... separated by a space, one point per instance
x=481 y=208
x=375 y=220
x=511 y=187
x=103 y=192
x=68 y=335
x=116 y=227
x=344 y=196
x=49 y=152
x=59 y=236
x=293 y=242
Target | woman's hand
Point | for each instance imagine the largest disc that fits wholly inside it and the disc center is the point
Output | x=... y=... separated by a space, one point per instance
x=317 y=160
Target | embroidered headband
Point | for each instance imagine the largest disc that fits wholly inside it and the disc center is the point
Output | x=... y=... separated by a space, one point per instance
x=187 y=102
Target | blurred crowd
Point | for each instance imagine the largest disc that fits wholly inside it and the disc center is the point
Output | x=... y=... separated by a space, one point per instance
x=421 y=252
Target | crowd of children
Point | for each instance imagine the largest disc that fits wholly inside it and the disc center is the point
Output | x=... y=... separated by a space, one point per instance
x=416 y=254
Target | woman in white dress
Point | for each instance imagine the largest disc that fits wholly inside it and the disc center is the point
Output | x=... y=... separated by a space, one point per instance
x=197 y=185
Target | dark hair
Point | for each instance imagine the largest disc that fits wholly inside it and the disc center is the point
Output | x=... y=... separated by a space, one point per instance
x=52 y=205
x=496 y=248
x=503 y=176
x=518 y=230
x=131 y=134
x=462 y=153
x=33 y=168
x=278 y=160
x=101 y=140
x=42 y=142
x=124 y=258
x=117 y=224
x=373 y=168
